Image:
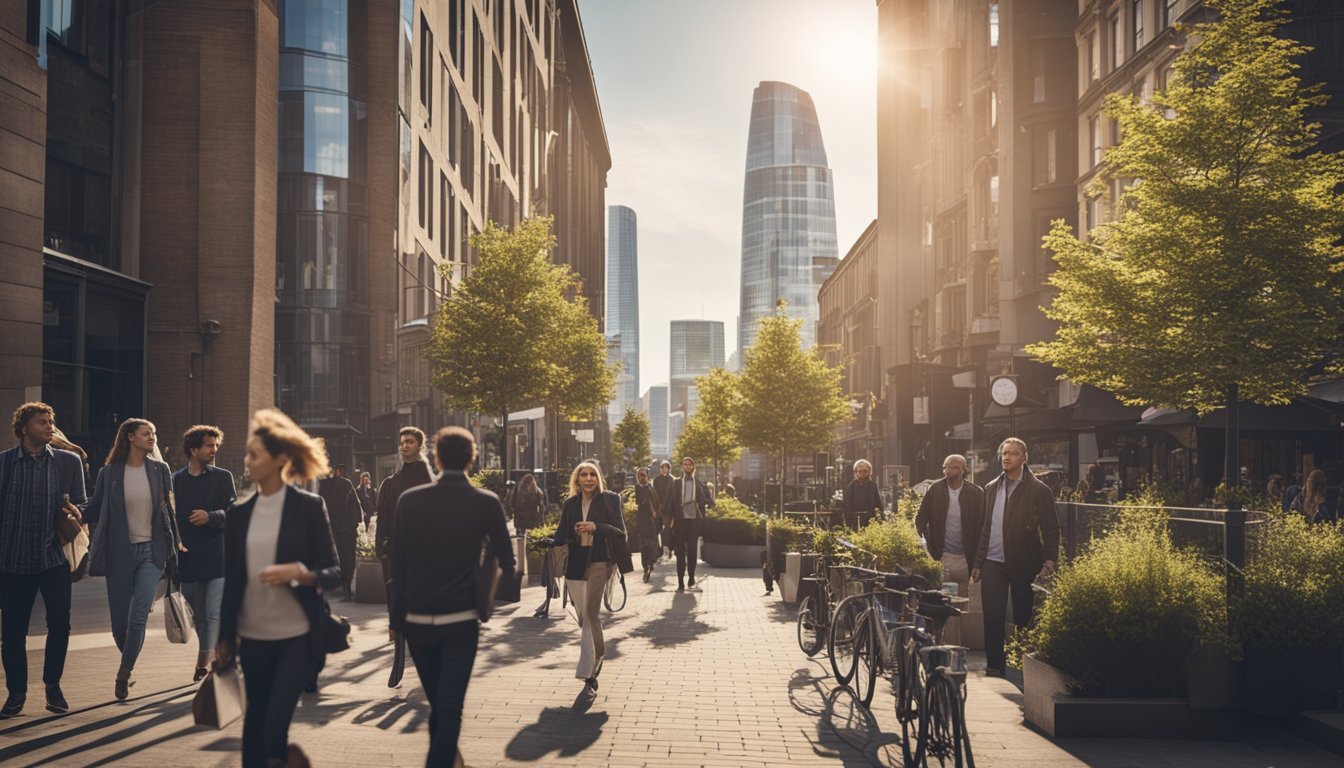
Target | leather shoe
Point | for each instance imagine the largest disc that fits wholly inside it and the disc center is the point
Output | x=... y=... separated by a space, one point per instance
x=56 y=700
x=122 y=689
x=13 y=705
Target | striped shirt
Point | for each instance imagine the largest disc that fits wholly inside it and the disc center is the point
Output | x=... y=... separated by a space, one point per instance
x=27 y=526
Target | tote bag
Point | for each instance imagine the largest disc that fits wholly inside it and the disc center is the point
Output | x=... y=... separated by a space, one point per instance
x=220 y=700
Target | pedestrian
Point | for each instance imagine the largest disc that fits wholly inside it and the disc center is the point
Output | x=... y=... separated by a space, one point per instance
x=1291 y=492
x=649 y=522
x=951 y=517
x=437 y=547
x=1018 y=544
x=1310 y=503
x=1274 y=489
x=662 y=486
x=37 y=484
x=588 y=518
x=528 y=504
x=862 y=501
x=134 y=537
x=685 y=504
x=368 y=498
x=279 y=556
x=414 y=471
x=203 y=494
x=343 y=511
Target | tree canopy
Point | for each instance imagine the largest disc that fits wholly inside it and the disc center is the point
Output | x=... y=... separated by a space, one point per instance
x=631 y=434
x=1219 y=274
x=711 y=433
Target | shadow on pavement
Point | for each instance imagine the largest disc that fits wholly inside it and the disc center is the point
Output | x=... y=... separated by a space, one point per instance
x=164 y=711
x=558 y=729
x=678 y=625
x=845 y=731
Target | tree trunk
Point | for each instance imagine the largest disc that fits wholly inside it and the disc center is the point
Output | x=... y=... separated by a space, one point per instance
x=783 y=470
x=1232 y=440
x=504 y=444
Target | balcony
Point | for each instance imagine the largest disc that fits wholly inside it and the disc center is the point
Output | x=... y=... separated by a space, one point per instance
x=984 y=325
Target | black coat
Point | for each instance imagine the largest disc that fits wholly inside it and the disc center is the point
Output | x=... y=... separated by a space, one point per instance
x=409 y=476
x=1030 y=526
x=338 y=493
x=862 y=498
x=437 y=545
x=671 y=501
x=932 y=519
x=212 y=491
x=662 y=486
x=305 y=537
x=605 y=511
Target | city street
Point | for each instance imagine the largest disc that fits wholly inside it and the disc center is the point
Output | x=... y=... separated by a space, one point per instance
x=710 y=677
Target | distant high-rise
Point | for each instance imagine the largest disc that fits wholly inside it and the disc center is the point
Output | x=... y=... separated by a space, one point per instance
x=696 y=349
x=623 y=307
x=655 y=407
x=788 y=211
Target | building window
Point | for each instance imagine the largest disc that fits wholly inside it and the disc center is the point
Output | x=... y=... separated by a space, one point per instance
x=1117 y=40
x=1093 y=212
x=1093 y=57
x=1137 y=6
x=993 y=25
x=443 y=215
x=1094 y=134
x=426 y=190
x=1169 y=12
x=426 y=68
x=1044 y=165
x=1038 y=73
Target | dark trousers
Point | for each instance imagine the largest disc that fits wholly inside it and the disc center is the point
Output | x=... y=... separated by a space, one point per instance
x=18 y=592
x=443 y=659
x=274 y=673
x=345 y=550
x=686 y=534
x=995 y=585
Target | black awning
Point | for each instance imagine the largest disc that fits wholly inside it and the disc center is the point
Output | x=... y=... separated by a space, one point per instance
x=1305 y=414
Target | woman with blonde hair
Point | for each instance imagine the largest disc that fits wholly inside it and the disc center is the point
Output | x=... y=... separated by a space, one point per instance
x=134 y=539
x=279 y=557
x=589 y=519
x=1310 y=503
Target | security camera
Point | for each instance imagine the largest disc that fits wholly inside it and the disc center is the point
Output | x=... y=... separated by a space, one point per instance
x=211 y=327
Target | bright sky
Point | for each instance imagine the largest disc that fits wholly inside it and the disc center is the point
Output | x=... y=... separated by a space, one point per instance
x=675 y=78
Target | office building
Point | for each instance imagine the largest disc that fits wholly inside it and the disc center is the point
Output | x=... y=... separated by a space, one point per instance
x=654 y=401
x=696 y=349
x=623 y=307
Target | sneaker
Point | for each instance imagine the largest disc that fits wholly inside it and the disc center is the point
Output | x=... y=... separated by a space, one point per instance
x=56 y=700
x=13 y=705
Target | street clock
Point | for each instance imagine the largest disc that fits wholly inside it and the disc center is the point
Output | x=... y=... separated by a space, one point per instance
x=1003 y=390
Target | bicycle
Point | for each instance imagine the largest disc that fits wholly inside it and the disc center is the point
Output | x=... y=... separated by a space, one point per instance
x=816 y=610
x=876 y=627
x=932 y=686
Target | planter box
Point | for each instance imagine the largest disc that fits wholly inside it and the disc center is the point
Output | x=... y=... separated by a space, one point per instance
x=1216 y=681
x=732 y=555
x=1283 y=681
x=796 y=566
x=369 y=584
x=1048 y=706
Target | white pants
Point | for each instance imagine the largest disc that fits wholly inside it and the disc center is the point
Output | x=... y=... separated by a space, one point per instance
x=587 y=596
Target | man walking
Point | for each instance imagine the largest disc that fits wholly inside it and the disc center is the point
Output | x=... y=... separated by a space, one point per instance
x=414 y=471
x=862 y=499
x=203 y=495
x=343 y=512
x=685 y=504
x=951 y=518
x=1019 y=543
x=38 y=483
x=662 y=486
x=436 y=548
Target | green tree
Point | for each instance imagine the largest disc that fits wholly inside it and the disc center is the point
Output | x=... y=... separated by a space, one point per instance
x=1219 y=278
x=510 y=336
x=631 y=434
x=791 y=398
x=711 y=434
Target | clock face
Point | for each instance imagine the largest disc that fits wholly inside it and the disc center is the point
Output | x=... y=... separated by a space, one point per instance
x=1004 y=391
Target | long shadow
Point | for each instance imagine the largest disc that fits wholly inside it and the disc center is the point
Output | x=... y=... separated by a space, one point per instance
x=678 y=625
x=558 y=729
x=51 y=718
x=845 y=730
x=168 y=710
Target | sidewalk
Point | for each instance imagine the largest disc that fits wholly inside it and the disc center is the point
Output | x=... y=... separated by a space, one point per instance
x=712 y=677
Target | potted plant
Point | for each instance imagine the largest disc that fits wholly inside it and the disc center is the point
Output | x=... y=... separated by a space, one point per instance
x=788 y=540
x=369 y=584
x=538 y=546
x=1289 y=616
x=734 y=535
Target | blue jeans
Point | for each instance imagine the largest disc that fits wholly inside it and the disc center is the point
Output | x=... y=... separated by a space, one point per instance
x=205 y=598
x=130 y=593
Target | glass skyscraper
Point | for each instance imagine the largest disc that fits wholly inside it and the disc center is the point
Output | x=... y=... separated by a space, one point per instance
x=788 y=211
x=623 y=307
x=696 y=349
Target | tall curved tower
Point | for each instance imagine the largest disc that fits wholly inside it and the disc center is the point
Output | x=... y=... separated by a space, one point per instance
x=788 y=212
x=623 y=307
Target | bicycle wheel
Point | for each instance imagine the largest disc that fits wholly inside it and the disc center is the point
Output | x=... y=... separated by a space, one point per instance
x=810 y=636
x=614 y=595
x=939 y=725
x=910 y=698
x=840 y=640
x=867 y=659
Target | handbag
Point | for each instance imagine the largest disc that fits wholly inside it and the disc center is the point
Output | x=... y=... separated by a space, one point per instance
x=221 y=699
x=177 y=616
x=77 y=555
x=335 y=631
x=510 y=588
x=487 y=580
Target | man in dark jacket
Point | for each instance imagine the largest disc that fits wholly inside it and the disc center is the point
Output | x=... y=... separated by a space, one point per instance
x=662 y=485
x=343 y=511
x=1019 y=543
x=414 y=471
x=862 y=498
x=685 y=504
x=951 y=518
x=435 y=550
x=203 y=494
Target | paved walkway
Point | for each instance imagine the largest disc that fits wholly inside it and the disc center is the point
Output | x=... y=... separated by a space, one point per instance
x=707 y=678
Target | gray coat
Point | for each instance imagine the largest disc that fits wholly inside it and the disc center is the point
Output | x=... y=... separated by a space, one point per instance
x=110 y=544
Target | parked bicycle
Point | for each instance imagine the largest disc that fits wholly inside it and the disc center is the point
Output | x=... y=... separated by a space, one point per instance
x=878 y=614
x=931 y=692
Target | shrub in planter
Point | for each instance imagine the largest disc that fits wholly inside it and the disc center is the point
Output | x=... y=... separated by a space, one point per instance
x=1127 y=617
x=731 y=522
x=535 y=537
x=896 y=543
x=787 y=536
x=491 y=480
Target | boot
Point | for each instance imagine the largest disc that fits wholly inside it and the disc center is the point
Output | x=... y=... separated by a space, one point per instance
x=202 y=666
x=123 y=684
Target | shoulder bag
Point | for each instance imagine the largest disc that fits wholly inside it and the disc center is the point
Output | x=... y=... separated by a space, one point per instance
x=335 y=630
x=177 y=616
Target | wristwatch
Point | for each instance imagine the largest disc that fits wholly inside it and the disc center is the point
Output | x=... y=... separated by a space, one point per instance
x=294 y=583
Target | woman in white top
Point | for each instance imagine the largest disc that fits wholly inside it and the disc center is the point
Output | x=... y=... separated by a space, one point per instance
x=134 y=537
x=279 y=557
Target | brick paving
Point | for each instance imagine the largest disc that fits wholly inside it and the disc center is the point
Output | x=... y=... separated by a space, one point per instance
x=706 y=678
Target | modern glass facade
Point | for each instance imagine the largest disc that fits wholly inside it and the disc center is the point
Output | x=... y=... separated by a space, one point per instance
x=322 y=242
x=788 y=211
x=623 y=307
x=655 y=407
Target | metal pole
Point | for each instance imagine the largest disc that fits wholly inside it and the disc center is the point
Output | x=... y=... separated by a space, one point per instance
x=1234 y=546
x=1070 y=530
